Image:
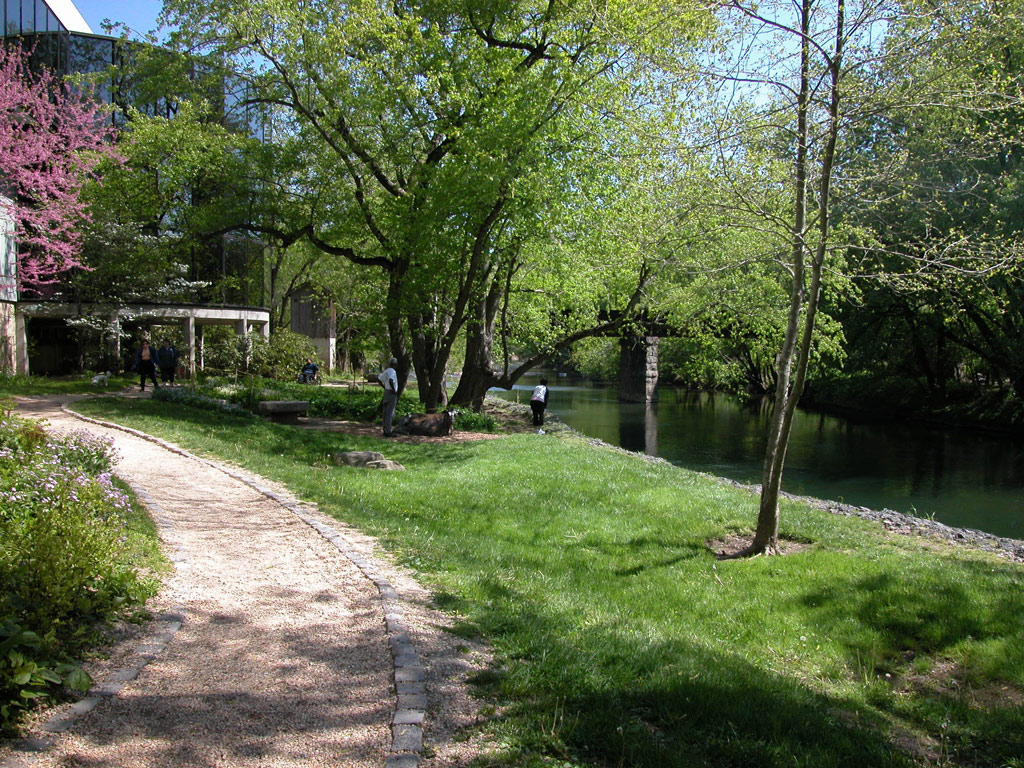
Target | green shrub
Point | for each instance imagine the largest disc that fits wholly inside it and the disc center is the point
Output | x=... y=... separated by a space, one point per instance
x=324 y=402
x=61 y=551
x=475 y=422
x=285 y=355
x=20 y=436
x=28 y=670
x=197 y=399
x=230 y=353
x=357 y=405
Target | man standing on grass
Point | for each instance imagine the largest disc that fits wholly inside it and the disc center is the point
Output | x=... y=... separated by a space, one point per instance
x=389 y=380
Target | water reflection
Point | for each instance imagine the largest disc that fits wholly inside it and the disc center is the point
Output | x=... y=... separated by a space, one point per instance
x=963 y=478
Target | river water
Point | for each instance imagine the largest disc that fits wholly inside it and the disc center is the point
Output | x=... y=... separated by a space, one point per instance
x=964 y=478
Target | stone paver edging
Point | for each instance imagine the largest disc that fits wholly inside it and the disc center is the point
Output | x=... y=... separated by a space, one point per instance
x=409 y=675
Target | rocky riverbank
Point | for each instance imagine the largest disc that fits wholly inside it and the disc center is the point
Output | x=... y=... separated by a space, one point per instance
x=909 y=525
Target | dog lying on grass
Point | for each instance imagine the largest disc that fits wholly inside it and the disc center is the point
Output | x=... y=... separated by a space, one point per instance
x=427 y=424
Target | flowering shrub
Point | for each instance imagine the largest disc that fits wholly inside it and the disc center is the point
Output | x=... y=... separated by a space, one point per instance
x=20 y=436
x=50 y=140
x=91 y=454
x=62 y=568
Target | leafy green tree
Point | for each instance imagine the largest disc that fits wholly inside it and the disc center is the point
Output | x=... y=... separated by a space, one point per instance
x=596 y=358
x=148 y=209
x=824 y=70
x=357 y=294
x=425 y=130
x=944 y=255
x=182 y=212
x=576 y=266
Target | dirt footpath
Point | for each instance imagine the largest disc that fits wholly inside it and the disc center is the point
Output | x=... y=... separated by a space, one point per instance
x=296 y=645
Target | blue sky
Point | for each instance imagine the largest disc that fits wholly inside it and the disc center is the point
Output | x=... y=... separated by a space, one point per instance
x=140 y=15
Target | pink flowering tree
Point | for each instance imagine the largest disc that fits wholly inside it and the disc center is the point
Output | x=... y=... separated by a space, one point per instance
x=51 y=138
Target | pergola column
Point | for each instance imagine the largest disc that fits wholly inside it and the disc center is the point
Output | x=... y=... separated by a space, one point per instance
x=114 y=348
x=190 y=343
x=8 y=359
x=21 y=342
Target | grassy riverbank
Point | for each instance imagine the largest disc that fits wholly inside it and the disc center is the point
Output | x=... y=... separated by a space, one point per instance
x=622 y=641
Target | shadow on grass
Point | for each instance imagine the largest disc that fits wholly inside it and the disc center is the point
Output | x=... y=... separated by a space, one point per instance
x=34 y=386
x=611 y=692
x=614 y=697
x=941 y=612
x=639 y=548
x=912 y=642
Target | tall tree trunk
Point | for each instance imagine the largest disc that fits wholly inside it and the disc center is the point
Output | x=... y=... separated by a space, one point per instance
x=478 y=373
x=766 y=537
x=346 y=349
x=795 y=354
x=431 y=351
x=396 y=333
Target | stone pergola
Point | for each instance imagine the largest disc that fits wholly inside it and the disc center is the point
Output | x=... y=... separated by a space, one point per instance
x=192 y=320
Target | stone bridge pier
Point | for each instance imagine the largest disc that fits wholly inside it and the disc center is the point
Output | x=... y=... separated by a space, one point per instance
x=638 y=369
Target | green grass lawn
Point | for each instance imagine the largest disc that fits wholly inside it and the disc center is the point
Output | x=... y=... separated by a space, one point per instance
x=142 y=539
x=622 y=641
x=64 y=385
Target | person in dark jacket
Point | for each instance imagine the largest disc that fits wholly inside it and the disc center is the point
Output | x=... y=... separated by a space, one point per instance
x=146 y=360
x=168 y=362
x=309 y=372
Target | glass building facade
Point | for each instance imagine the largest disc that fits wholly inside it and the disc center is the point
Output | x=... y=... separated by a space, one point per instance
x=25 y=17
x=65 y=52
x=232 y=265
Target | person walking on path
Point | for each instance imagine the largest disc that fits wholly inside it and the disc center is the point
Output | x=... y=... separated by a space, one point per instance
x=168 y=362
x=389 y=380
x=146 y=359
x=538 y=402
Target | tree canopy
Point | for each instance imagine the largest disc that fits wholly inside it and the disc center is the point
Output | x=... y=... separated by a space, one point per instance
x=431 y=135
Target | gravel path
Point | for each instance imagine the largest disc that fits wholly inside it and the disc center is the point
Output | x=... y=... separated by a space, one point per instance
x=296 y=647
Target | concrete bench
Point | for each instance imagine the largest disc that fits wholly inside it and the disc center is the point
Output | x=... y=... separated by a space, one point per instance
x=284 y=411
